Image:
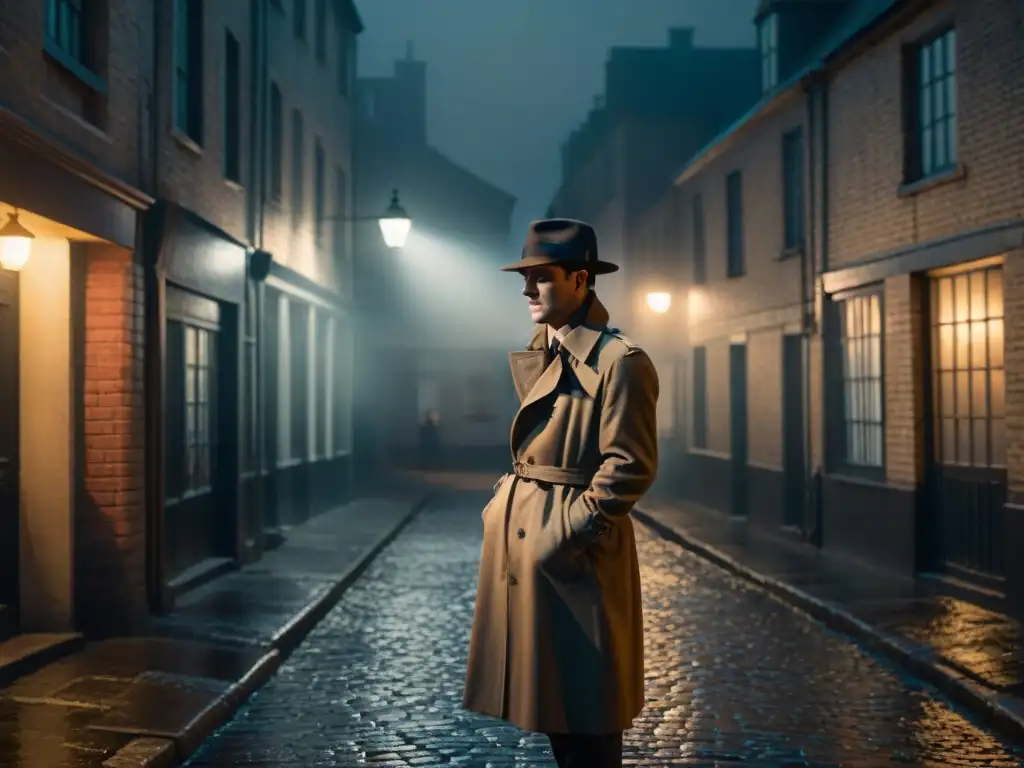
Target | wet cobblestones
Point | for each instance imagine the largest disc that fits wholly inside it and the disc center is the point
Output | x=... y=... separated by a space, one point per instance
x=733 y=678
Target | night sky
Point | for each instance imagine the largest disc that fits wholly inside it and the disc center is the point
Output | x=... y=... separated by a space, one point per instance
x=508 y=81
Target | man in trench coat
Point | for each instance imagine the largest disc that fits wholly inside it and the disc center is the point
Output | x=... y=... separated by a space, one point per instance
x=557 y=641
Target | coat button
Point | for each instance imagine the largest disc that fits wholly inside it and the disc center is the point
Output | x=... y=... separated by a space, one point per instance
x=512 y=580
x=521 y=533
x=529 y=459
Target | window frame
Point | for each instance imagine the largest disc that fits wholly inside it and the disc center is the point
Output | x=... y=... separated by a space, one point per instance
x=794 y=225
x=276 y=148
x=298 y=152
x=319 y=191
x=916 y=167
x=699 y=433
x=187 y=82
x=839 y=416
x=735 y=261
x=699 y=243
x=232 y=88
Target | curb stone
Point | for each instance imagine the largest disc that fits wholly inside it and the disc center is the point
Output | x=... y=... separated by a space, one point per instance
x=996 y=709
x=149 y=752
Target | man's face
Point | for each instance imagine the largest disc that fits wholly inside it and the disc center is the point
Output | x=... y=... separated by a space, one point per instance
x=553 y=294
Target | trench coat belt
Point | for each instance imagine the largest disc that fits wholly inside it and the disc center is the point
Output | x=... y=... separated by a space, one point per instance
x=579 y=478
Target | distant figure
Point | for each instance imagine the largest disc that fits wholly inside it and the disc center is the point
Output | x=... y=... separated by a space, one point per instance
x=557 y=641
x=430 y=440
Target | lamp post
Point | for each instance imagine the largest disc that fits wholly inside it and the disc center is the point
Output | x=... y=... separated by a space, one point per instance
x=15 y=243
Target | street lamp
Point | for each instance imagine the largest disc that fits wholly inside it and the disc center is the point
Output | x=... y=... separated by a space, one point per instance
x=659 y=302
x=395 y=223
x=15 y=244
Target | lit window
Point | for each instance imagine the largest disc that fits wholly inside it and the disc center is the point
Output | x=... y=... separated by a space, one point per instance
x=860 y=330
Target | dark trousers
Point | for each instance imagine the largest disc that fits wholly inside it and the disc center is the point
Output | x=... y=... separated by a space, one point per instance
x=583 y=750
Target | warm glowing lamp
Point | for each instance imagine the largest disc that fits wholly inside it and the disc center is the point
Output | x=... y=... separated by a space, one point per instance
x=395 y=224
x=15 y=244
x=659 y=302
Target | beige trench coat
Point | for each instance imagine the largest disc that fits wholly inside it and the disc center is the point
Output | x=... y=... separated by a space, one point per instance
x=557 y=640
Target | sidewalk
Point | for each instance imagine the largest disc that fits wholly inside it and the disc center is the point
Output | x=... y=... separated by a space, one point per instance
x=974 y=655
x=151 y=701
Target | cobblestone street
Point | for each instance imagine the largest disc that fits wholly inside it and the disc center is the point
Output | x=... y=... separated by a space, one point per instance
x=734 y=677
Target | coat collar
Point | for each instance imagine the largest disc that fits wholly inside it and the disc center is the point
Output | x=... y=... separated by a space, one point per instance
x=535 y=379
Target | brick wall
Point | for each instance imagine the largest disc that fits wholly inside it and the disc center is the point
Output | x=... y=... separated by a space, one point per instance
x=868 y=216
x=904 y=381
x=1013 y=287
x=769 y=283
x=111 y=524
x=313 y=87
x=192 y=173
x=106 y=129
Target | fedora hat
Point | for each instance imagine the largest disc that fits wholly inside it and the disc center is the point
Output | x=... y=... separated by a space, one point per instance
x=566 y=242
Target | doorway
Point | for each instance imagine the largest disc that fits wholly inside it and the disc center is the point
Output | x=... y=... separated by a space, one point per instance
x=793 y=433
x=738 y=433
x=967 y=461
x=9 y=440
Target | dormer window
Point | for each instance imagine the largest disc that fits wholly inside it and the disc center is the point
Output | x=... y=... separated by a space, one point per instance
x=768 y=44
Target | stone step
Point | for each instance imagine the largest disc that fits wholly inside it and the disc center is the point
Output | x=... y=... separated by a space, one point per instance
x=23 y=654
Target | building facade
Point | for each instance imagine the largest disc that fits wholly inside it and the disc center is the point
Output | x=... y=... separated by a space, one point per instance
x=250 y=325
x=659 y=105
x=174 y=371
x=430 y=355
x=853 y=287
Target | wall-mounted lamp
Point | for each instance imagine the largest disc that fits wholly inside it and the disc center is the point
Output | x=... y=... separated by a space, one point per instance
x=395 y=223
x=659 y=302
x=15 y=244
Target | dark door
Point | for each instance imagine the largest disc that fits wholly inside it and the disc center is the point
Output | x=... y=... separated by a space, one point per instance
x=271 y=457
x=194 y=528
x=8 y=445
x=738 y=426
x=793 y=434
x=967 y=472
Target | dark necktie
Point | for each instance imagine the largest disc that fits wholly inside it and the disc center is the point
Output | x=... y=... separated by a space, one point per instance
x=556 y=346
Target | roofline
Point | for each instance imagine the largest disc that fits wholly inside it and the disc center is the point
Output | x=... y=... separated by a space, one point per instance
x=799 y=82
x=353 y=12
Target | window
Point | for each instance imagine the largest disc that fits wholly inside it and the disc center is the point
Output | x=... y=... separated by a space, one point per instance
x=700 y=267
x=860 y=344
x=346 y=54
x=320 y=30
x=793 y=189
x=65 y=28
x=327 y=405
x=188 y=74
x=298 y=405
x=700 y=397
x=734 y=224
x=198 y=412
x=276 y=142
x=969 y=381
x=340 y=212
x=319 y=193
x=250 y=386
x=934 y=147
x=768 y=45
x=297 y=160
x=232 y=109
x=299 y=18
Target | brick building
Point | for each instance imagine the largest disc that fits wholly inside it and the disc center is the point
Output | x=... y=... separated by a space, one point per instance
x=147 y=148
x=74 y=135
x=250 y=345
x=852 y=245
x=426 y=351
x=659 y=105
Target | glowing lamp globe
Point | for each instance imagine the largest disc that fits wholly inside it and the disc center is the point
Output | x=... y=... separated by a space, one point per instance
x=395 y=224
x=15 y=244
x=659 y=302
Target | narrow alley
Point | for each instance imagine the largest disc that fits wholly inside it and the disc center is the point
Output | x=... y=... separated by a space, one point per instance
x=734 y=677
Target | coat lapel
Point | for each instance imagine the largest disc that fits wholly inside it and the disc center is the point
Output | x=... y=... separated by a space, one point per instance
x=527 y=368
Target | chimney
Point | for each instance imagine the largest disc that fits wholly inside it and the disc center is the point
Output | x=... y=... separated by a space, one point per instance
x=411 y=86
x=680 y=38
